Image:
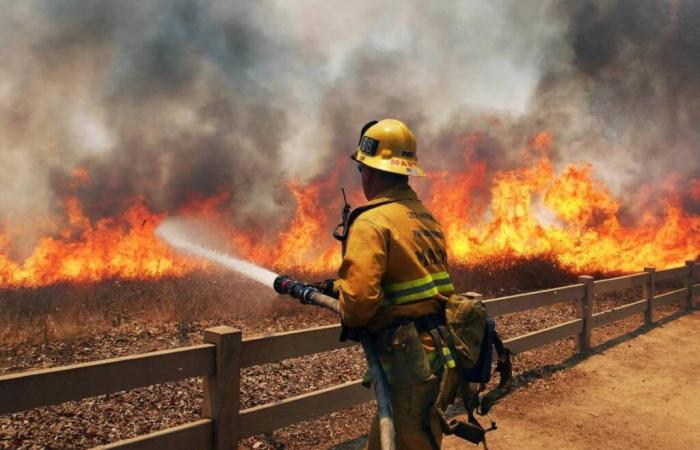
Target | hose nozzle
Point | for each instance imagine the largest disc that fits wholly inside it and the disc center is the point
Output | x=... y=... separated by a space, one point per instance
x=302 y=292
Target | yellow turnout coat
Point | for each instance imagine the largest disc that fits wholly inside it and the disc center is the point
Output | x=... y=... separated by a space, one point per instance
x=394 y=263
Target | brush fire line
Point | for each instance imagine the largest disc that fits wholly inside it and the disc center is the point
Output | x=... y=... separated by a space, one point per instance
x=489 y=217
x=309 y=295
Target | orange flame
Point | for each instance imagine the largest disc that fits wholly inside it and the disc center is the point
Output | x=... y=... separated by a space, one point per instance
x=585 y=232
x=531 y=210
x=125 y=247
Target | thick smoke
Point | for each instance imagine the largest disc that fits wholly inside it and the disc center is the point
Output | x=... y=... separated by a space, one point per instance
x=630 y=99
x=167 y=100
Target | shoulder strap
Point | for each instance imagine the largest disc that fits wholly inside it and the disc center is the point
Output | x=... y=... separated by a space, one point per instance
x=359 y=210
x=343 y=228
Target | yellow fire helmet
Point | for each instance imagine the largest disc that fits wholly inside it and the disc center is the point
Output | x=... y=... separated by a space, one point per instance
x=388 y=145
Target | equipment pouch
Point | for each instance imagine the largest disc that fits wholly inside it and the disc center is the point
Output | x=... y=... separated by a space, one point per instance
x=403 y=356
x=466 y=321
x=471 y=336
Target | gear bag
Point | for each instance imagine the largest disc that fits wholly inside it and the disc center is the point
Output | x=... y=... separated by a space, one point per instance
x=470 y=334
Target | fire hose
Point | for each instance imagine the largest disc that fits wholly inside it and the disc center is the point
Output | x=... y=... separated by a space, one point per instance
x=309 y=295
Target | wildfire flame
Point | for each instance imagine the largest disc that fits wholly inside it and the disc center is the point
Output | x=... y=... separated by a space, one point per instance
x=586 y=233
x=531 y=210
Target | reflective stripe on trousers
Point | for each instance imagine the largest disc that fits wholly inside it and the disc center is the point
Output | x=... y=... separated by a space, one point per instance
x=424 y=287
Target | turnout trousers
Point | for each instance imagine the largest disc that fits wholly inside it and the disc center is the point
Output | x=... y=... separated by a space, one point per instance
x=413 y=409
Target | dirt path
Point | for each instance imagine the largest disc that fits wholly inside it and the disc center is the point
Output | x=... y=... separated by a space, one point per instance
x=643 y=394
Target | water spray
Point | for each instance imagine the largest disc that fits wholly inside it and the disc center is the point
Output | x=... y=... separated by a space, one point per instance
x=175 y=234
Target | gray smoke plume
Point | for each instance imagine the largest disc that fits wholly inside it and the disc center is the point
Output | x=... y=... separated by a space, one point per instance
x=630 y=99
x=167 y=100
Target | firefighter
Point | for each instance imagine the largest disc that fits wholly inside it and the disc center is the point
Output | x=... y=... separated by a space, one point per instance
x=393 y=282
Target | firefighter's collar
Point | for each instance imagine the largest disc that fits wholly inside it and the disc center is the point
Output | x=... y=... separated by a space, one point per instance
x=395 y=193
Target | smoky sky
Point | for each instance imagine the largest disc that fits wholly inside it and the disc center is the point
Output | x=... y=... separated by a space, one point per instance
x=170 y=100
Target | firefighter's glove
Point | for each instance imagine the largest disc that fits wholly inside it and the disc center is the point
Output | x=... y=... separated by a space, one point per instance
x=352 y=333
x=326 y=287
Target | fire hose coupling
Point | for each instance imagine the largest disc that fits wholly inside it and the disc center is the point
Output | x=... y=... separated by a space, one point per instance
x=302 y=292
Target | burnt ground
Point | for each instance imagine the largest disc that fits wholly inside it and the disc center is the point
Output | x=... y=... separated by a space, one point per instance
x=175 y=314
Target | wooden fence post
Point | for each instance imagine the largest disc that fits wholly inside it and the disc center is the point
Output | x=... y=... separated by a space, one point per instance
x=649 y=289
x=585 y=312
x=222 y=401
x=689 y=284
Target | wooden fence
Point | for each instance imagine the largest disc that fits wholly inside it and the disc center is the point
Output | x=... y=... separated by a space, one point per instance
x=220 y=359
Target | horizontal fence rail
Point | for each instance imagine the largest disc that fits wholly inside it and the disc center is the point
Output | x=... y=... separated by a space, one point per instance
x=190 y=436
x=619 y=313
x=670 y=297
x=620 y=283
x=543 y=337
x=220 y=360
x=670 y=274
x=279 y=346
x=521 y=302
x=263 y=418
x=61 y=384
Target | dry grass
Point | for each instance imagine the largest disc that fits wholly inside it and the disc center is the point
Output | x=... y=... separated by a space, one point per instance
x=76 y=311
x=505 y=275
x=69 y=312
